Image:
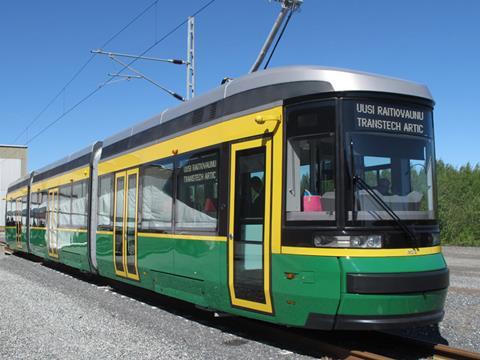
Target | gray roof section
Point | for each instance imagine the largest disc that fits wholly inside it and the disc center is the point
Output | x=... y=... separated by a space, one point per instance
x=19 y=180
x=14 y=146
x=339 y=79
x=65 y=160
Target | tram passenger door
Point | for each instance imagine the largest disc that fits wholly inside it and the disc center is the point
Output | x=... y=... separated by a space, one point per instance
x=52 y=223
x=249 y=225
x=18 y=222
x=125 y=248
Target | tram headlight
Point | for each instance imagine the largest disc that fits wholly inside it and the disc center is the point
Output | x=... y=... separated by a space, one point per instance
x=344 y=241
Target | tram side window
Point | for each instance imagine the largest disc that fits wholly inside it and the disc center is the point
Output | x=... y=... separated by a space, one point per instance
x=10 y=218
x=33 y=208
x=24 y=211
x=311 y=163
x=156 y=197
x=79 y=204
x=65 y=206
x=105 y=203
x=42 y=209
x=197 y=192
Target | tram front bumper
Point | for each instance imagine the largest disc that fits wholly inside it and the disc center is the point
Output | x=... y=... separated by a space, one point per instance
x=388 y=293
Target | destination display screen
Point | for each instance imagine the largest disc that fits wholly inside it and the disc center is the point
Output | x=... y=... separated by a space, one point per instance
x=390 y=118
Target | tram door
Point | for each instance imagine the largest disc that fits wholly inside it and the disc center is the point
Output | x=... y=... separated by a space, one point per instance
x=18 y=222
x=249 y=225
x=125 y=247
x=52 y=223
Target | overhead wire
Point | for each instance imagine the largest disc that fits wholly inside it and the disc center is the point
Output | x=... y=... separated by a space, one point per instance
x=82 y=68
x=94 y=91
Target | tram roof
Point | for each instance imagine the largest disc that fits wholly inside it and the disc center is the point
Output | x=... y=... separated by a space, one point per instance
x=313 y=79
x=247 y=92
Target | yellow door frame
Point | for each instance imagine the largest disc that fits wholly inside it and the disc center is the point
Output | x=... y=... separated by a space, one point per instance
x=52 y=233
x=18 y=221
x=125 y=175
x=247 y=304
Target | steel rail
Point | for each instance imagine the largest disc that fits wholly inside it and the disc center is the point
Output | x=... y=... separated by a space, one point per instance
x=441 y=351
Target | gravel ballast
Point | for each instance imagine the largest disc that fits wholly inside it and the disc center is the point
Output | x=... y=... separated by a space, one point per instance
x=49 y=314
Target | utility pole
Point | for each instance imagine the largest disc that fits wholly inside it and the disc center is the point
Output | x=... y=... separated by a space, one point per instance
x=191 y=59
x=190 y=63
x=287 y=6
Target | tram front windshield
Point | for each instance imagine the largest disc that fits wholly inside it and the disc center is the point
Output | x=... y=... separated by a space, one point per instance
x=390 y=157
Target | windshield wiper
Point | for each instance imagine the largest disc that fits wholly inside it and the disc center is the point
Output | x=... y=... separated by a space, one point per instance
x=358 y=181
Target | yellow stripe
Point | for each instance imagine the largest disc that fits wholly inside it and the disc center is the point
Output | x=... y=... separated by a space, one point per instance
x=37 y=228
x=10 y=227
x=183 y=237
x=72 y=230
x=17 y=193
x=360 y=252
x=277 y=188
x=238 y=128
x=104 y=232
x=73 y=176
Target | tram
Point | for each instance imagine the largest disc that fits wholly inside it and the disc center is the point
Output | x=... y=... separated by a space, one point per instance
x=303 y=196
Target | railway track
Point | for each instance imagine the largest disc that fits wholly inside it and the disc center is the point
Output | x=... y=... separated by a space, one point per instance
x=325 y=345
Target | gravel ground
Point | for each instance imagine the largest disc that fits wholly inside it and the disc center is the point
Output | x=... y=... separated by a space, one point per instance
x=47 y=314
x=461 y=326
x=88 y=319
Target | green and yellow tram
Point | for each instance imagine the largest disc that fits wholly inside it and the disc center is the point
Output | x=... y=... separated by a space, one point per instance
x=302 y=196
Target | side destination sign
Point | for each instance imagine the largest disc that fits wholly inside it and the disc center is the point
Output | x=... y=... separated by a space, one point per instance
x=386 y=118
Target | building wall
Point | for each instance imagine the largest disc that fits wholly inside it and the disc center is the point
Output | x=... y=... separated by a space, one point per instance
x=13 y=165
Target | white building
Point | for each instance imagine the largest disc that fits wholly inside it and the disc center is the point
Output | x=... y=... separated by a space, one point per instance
x=13 y=164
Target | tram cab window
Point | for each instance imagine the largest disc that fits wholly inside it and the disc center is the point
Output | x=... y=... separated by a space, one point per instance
x=310 y=170
x=197 y=192
x=156 y=197
x=105 y=202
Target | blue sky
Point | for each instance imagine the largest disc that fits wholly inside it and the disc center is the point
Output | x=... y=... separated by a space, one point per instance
x=45 y=42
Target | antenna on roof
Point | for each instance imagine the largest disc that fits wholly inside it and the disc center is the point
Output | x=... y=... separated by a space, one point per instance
x=288 y=6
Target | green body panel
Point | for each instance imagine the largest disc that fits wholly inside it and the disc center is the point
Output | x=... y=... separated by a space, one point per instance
x=11 y=239
x=314 y=289
x=72 y=249
x=38 y=242
x=377 y=305
x=392 y=264
x=356 y=304
x=190 y=270
x=196 y=271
